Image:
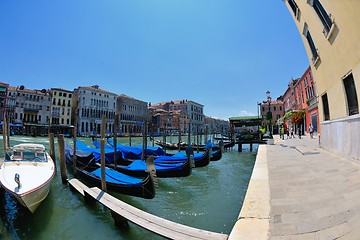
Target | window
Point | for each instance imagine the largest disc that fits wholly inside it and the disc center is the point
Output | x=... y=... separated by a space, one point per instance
x=351 y=96
x=323 y=15
x=294 y=7
x=311 y=44
x=326 y=110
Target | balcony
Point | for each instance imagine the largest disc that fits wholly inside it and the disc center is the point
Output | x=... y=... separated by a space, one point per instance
x=312 y=102
x=31 y=109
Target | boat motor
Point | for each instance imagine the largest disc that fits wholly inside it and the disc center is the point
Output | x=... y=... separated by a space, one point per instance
x=17 y=179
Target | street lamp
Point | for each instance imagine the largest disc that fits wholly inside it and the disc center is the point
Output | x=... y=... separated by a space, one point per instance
x=269 y=114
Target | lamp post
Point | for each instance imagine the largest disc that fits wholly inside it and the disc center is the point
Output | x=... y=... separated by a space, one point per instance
x=269 y=114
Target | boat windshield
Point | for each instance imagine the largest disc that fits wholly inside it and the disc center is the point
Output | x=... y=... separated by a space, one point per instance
x=27 y=156
x=41 y=156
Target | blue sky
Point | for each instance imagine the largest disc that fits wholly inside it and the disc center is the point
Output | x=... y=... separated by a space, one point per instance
x=224 y=54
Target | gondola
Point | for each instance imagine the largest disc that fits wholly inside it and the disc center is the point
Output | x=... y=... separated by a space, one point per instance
x=217 y=154
x=90 y=171
x=137 y=167
x=183 y=145
x=162 y=169
x=200 y=159
x=229 y=144
x=135 y=152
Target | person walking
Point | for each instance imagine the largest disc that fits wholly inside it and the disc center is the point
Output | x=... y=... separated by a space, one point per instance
x=287 y=133
x=311 y=130
x=292 y=132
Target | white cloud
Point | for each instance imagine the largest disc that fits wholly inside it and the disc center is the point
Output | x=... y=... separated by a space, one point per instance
x=243 y=113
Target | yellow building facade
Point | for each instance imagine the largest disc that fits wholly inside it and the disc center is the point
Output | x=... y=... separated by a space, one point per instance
x=330 y=32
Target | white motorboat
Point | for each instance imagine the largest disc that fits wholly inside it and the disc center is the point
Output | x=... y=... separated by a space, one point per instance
x=26 y=173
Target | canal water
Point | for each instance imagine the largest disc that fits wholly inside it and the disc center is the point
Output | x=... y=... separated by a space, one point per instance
x=210 y=199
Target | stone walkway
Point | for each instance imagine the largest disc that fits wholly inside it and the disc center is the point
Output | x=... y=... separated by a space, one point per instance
x=299 y=191
x=313 y=194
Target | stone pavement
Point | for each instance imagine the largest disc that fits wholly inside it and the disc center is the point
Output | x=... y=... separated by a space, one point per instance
x=300 y=191
x=313 y=194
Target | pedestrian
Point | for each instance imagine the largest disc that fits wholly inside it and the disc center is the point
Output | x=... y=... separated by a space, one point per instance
x=287 y=133
x=292 y=132
x=282 y=132
x=311 y=130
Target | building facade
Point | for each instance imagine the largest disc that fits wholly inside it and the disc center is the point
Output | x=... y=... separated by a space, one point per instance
x=93 y=103
x=329 y=31
x=133 y=113
x=306 y=98
x=61 y=106
x=216 y=126
x=30 y=109
x=194 y=110
x=168 y=122
x=3 y=97
x=277 y=111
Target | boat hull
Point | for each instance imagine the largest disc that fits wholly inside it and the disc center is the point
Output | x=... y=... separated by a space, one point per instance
x=146 y=190
x=167 y=172
x=33 y=199
x=34 y=180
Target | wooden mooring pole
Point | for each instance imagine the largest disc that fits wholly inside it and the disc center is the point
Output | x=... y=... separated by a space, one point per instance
x=62 y=158
x=239 y=147
x=130 y=130
x=120 y=221
x=7 y=132
x=52 y=147
x=102 y=152
x=116 y=127
x=76 y=115
x=4 y=137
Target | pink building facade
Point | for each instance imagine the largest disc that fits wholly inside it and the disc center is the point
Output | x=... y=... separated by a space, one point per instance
x=306 y=98
x=277 y=112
